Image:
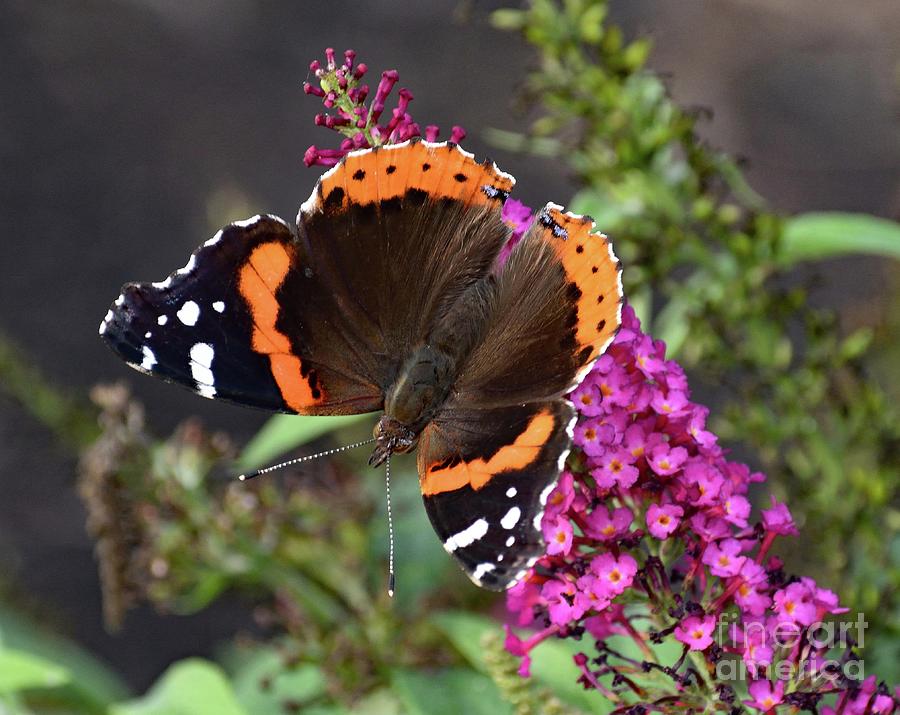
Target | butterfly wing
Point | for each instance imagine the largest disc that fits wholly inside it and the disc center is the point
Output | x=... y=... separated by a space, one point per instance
x=485 y=476
x=558 y=305
x=492 y=454
x=399 y=231
x=218 y=326
x=316 y=320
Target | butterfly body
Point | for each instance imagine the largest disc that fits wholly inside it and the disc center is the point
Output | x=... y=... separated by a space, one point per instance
x=388 y=295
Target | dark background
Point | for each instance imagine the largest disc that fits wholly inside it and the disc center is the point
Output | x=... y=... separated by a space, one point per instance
x=131 y=130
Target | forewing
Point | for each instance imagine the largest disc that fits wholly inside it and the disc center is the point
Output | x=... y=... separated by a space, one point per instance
x=224 y=327
x=398 y=232
x=557 y=307
x=318 y=323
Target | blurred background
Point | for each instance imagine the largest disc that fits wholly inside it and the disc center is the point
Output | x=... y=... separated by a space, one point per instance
x=131 y=130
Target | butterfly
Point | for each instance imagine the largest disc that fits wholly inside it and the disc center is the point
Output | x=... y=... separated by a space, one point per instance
x=387 y=295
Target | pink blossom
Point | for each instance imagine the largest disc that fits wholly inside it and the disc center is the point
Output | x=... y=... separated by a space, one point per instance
x=665 y=461
x=723 y=558
x=663 y=520
x=765 y=697
x=706 y=481
x=518 y=217
x=561 y=497
x=795 y=603
x=342 y=92
x=615 y=468
x=778 y=519
x=557 y=535
x=587 y=399
x=560 y=598
x=696 y=632
x=674 y=404
x=599 y=524
x=737 y=510
x=615 y=574
x=751 y=595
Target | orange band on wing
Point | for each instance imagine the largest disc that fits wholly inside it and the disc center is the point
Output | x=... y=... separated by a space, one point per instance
x=259 y=280
x=478 y=472
x=443 y=171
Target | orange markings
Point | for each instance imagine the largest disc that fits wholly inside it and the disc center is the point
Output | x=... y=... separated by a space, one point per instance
x=520 y=454
x=259 y=280
x=587 y=262
x=441 y=171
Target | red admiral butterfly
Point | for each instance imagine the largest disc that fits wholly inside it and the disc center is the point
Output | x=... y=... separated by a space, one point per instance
x=386 y=295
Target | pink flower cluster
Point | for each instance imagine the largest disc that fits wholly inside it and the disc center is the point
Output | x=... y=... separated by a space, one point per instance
x=342 y=91
x=651 y=523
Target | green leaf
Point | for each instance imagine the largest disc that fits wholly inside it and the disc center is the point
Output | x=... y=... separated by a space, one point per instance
x=464 y=631
x=448 y=692
x=264 y=682
x=672 y=326
x=190 y=687
x=607 y=213
x=23 y=671
x=93 y=684
x=813 y=236
x=551 y=664
x=508 y=19
x=285 y=432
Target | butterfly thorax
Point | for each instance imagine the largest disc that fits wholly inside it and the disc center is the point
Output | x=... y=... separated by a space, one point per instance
x=426 y=377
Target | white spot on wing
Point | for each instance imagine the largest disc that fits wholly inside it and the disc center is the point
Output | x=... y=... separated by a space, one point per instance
x=247 y=222
x=202 y=355
x=189 y=266
x=149 y=358
x=467 y=536
x=545 y=494
x=188 y=313
x=105 y=321
x=214 y=240
x=147 y=334
x=219 y=306
x=162 y=320
x=510 y=541
x=401 y=145
x=163 y=284
x=537 y=520
x=511 y=518
x=511 y=492
x=503 y=174
x=480 y=571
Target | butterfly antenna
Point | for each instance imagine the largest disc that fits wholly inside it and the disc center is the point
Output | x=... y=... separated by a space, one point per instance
x=387 y=484
x=307 y=458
